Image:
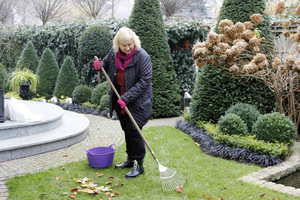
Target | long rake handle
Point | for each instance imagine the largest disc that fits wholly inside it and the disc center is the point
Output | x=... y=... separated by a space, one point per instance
x=129 y=114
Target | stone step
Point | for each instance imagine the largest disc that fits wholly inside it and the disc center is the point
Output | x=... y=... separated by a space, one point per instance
x=51 y=119
x=72 y=130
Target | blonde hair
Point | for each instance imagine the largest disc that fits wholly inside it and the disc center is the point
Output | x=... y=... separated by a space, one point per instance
x=124 y=35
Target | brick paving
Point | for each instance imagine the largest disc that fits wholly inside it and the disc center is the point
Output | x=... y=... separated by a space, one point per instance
x=102 y=132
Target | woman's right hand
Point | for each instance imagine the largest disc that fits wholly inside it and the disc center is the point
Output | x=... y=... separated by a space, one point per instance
x=98 y=64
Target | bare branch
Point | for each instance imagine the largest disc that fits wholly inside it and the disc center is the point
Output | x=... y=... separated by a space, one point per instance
x=171 y=7
x=6 y=9
x=91 y=8
x=47 y=10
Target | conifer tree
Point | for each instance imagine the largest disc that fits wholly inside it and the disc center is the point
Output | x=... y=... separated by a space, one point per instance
x=47 y=71
x=29 y=58
x=67 y=79
x=147 y=21
x=216 y=90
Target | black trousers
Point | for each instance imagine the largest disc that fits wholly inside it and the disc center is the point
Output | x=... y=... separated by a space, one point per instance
x=135 y=146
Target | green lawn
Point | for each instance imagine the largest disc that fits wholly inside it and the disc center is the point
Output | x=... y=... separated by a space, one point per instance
x=207 y=177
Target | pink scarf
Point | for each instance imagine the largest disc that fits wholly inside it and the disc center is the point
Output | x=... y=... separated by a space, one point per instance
x=122 y=60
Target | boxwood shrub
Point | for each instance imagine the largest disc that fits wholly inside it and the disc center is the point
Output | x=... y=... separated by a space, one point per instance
x=248 y=113
x=100 y=90
x=275 y=127
x=104 y=102
x=81 y=94
x=232 y=124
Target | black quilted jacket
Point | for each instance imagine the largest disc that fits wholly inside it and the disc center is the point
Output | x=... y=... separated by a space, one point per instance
x=138 y=95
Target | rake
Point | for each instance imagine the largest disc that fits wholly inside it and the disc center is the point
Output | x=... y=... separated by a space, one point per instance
x=170 y=178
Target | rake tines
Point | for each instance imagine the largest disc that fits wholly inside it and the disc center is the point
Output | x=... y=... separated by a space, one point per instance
x=170 y=179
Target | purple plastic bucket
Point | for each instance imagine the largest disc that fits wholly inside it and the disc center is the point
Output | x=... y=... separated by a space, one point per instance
x=101 y=157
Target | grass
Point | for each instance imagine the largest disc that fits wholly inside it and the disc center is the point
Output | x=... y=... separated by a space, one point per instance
x=207 y=177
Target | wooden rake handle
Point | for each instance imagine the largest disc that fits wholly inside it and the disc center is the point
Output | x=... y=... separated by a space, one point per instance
x=128 y=113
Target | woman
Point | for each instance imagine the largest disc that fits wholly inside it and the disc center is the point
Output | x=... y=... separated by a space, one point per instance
x=130 y=69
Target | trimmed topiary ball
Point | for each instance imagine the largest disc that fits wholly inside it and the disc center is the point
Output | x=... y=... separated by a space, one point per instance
x=98 y=92
x=104 y=102
x=275 y=127
x=248 y=113
x=81 y=94
x=232 y=124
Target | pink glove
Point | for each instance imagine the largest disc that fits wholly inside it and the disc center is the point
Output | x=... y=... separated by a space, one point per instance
x=98 y=64
x=122 y=103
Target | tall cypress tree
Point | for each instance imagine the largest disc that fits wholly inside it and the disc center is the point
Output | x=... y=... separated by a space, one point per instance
x=28 y=58
x=67 y=79
x=217 y=90
x=47 y=71
x=147 y=21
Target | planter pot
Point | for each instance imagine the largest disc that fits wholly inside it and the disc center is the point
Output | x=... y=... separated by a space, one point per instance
x=2 y=111
x=24 y=91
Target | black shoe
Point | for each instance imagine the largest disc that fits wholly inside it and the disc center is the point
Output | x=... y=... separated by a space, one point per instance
x=137 y=169
x=126 y=164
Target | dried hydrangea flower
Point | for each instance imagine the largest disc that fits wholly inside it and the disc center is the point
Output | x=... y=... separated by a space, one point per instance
x=254 y=42
x=286 y=33
x=259 y=58
x=296 y=67
x=234 y=69
x=213 y=38
x=280 y=8
x=256 y=18
x=296 y=37
x=263 y=65
x=239 y=27
x=198 y=45
x=223 y=23
x=298 y=48
x=290 y=60
x=277 y=62
x=248 y=25
x=248 y=34
x=266 y=12
x=286 y=23
x=229 y=31
x=297 y=11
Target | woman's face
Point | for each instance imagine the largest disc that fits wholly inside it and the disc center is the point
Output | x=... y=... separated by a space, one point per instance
x=127 y=47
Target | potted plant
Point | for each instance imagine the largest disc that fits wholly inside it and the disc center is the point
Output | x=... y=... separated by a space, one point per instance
x=23 y=80
x=3 y=80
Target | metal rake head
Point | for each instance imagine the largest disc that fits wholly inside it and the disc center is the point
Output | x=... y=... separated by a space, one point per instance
x=170 y=179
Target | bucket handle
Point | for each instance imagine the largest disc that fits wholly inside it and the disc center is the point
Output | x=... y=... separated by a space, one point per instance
x=87 y=152
x=113 y=145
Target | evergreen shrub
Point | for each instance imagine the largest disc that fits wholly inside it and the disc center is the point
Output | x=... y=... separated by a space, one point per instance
x=248 y=113
x=275 y=127
x=67 y=79
x=95 y=41
x=232 y=124
x=29 y=58
x=81 y=94
x=47 y=71
x=100 y=90
x=3 y=76
x=147 y=21
x=104 y=102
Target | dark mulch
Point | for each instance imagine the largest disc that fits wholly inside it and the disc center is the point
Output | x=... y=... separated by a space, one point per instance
x=208 y=145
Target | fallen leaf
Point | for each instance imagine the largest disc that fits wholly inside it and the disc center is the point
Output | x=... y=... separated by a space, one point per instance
x=208 y=198
x=155 y=138
x=73 y=195
x=63 y=168
x=107 y=183
x=111 y=177
x=262 y=195
x=179 y=188
x=43 y=194
x=205 y=195
x=57 y=178
x=107 y=193
x=220 y=199
x=74 y=190
x=66 y=155
x=84 y=180
x=99 y=174
x=65 y=193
